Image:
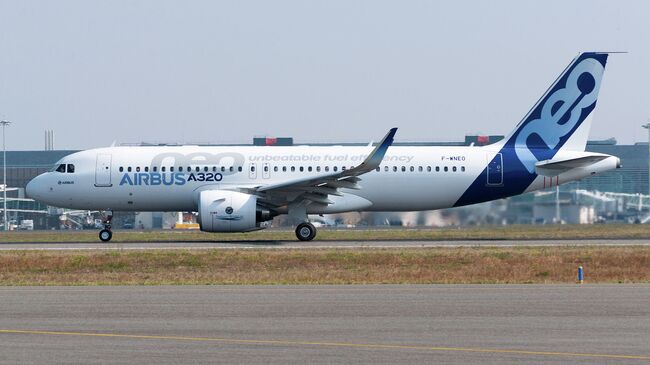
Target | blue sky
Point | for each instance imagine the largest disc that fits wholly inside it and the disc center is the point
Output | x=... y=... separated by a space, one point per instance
x=225 y=71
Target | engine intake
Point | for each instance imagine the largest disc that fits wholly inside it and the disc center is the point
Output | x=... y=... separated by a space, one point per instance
x=230 y=211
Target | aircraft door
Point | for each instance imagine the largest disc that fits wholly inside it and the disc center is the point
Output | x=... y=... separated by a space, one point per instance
x=103 y=170
x=495 y=171
x=266 y=170
x=252 y=171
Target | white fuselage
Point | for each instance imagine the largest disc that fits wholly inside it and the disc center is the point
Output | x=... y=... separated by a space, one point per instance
x=169 y=178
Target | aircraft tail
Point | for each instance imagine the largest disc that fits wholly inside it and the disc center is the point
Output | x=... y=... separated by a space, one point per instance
x=561 y=119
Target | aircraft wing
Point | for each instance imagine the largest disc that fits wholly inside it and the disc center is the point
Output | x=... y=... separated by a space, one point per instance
x=555 y=167
x=316 y=189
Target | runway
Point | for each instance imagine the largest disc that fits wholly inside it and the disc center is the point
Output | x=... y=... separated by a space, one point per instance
x=382 y=324
x=315 y=244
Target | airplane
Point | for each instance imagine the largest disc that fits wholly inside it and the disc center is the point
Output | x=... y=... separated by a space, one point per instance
x=236 y=189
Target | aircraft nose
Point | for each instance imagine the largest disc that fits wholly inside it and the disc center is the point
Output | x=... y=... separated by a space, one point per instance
x=31 y=190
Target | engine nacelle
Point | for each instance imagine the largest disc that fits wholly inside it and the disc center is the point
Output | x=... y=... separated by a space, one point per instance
x=228 y=211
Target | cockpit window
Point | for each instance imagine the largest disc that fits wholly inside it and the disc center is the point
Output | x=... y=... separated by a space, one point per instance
x=70 y=168
x=61 y=168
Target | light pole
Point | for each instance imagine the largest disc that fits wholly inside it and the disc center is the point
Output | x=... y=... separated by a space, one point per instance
x=647 y=126
x=4 y=123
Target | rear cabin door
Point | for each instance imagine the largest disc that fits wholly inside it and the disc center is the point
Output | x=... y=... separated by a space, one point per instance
x=103 y=170
x=495 y=171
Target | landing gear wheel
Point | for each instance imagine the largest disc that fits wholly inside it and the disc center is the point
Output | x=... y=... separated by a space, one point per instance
x=305 y=231
x=105 y=235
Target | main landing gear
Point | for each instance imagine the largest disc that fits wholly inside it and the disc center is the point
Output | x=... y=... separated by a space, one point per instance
x=106 y=234
x=305 y=231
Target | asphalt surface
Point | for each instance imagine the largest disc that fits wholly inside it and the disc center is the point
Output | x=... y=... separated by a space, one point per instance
x=383 y=324
x=314 y=244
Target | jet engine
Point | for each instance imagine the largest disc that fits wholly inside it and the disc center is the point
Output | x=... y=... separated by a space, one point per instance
x=230 y=211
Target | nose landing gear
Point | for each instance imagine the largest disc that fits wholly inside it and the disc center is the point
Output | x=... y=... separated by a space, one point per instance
x=106 y=234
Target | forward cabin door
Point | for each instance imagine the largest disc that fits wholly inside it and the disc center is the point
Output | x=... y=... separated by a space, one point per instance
x=103 y=170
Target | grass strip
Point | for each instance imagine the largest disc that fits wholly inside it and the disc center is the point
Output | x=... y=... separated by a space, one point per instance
x=512 y=232
x=327 y=266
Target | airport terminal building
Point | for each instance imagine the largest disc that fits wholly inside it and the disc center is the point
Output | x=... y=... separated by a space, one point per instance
x=631 y=179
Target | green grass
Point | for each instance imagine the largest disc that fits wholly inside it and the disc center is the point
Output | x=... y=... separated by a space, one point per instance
x=477 y=265
x=512 y=232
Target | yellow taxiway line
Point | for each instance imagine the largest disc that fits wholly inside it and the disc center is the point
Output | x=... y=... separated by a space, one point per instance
x=329 y=344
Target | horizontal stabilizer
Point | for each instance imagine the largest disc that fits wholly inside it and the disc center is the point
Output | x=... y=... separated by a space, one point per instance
x=555 y=167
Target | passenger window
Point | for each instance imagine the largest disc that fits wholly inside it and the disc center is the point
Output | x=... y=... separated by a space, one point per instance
x=223 y=168
x=403 y=168
x=394 y=168
x=386 y=168
x=214 y=168
x=453 y=169
x=161 y=169
x=137 y=169
x=420 y=169
x=146 y=169
x=462 y=168
x=275 y=169
x=121 y=169
x=205 y=169
x=437 y=168
x=378 y=169
x=284 y=169
x=129 y=169
x=428 y=168
x=231 y=168
x=309 y=168
x=252 y=168
x=446 y=168
x=334 y=168
x=155 y=169
x=239 y=168
x=302 y=169
x=293 y=168
x=327 y=168
x=266 y=168
x=412 y=168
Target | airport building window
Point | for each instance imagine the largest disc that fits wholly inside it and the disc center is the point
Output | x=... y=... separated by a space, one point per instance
x=121 y=169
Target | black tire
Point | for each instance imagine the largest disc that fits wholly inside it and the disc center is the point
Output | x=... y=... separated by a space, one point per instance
x=305 y=231
x=105 y=235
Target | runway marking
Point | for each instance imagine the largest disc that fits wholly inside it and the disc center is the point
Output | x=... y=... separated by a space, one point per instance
x=330 y=344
